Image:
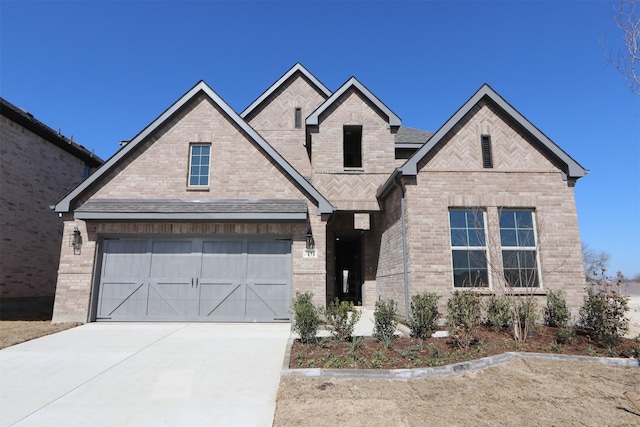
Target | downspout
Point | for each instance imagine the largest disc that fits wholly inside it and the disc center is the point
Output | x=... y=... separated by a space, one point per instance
x=404 y=246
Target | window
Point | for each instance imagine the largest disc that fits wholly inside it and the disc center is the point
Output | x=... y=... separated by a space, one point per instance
x=468 y=248
x=518 y=239
x=487 y=156
x=199 y=165
x=298 y=118
x=352 y=146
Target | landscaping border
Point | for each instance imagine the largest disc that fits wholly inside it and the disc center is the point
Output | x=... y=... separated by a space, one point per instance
x=441 y=371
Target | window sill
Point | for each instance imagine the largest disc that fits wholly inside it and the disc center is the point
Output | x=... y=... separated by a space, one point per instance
x=198 y=189
x=353 y=170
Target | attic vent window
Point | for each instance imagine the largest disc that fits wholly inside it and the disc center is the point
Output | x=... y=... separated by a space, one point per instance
x=352 y=146
x=298 y=118
x=487 y=155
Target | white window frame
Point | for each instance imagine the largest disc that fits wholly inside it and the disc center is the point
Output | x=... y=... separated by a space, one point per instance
x=519 y=248
x=198 y=185
x=467 y=248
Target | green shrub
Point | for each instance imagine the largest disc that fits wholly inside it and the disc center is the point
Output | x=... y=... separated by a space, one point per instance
x=424 y=314
x=463 y=317
x=528 y=313
x=498 y=312
x=341 y=319
x=565 y=335
x=306 y=316
x=384 y=319
x=603 y=312
x=556 y=312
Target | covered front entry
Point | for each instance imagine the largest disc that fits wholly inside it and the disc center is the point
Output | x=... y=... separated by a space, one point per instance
x=193 y=279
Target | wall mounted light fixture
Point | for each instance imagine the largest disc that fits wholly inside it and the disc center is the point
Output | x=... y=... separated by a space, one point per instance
x=75 y=240
x=311 y=244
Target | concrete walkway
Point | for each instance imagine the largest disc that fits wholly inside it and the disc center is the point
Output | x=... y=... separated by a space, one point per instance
x=137 y=374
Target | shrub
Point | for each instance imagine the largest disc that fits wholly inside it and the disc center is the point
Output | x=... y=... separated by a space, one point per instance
x=463 y=317
x=556 y=312
x=565 y=335
x=306 y=316
x=603 y=311
x=384 y=319
x=341 y=319
x=528 y=313
x=498 y=312
x=424 y=314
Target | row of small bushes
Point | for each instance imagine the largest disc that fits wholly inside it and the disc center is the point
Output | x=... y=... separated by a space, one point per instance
x=602 y=315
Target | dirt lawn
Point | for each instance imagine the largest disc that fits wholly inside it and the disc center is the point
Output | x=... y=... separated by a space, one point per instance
x=13 y=332
x=521 y=393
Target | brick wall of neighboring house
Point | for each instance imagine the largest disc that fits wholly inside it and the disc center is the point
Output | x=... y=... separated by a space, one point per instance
x=275 y=120
x=34 y=174
x=522 y=177
x=158 y=170
x=352 y=189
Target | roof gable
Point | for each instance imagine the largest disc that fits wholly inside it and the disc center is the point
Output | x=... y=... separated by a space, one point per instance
x=573 y=169
x=392 y=118
x=297 y=68
x=323 y=205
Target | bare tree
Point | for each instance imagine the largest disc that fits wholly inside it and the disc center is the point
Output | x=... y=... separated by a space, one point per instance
x=510 y=254
x=595 y=262
x=626 y=58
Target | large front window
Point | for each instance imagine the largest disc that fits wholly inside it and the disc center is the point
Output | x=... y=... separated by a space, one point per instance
x=199 y=165
x=518 y=239
x=468 y=248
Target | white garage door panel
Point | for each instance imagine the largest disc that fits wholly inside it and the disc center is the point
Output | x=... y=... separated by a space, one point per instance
x=195 y=280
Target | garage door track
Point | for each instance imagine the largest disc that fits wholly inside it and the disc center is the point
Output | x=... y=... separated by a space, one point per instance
x=145 y=374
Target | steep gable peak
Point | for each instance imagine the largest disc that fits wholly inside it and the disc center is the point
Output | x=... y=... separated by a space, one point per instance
x=65 y=205
x=298 y=68
x=486 y=94
x=353 y=83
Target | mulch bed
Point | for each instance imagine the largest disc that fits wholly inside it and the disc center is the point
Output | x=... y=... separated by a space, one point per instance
x=406 y=352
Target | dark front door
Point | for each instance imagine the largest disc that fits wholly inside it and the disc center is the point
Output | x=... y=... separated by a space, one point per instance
x=348 y=286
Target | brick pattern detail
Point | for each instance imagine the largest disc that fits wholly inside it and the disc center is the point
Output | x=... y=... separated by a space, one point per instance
x=275 y=119
x=34 y=174
x=522 y=178
x=352 y=190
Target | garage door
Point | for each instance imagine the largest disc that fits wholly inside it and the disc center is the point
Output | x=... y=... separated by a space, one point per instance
x=195 y=280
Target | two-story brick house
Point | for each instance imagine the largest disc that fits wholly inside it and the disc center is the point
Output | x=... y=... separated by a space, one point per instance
x=38 y=166
x=211 y=215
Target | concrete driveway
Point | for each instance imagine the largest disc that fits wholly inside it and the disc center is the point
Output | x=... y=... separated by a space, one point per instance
x=143 y=374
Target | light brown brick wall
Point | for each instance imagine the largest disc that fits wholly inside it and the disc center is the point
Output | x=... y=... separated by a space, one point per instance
x=352 y=190
x=75 y=278
x=239 y=170
x=274 y=120
x=159 y=170
x=521 y=178
x=34 y=174
x=390 y=274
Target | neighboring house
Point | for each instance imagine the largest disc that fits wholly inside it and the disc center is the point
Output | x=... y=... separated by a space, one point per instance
x=38 y=166
x=210 y=215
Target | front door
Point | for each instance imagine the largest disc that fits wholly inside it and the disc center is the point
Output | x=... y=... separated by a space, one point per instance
x=348 y=286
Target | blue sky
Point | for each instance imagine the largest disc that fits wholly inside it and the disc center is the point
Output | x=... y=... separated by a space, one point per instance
x=102 y=71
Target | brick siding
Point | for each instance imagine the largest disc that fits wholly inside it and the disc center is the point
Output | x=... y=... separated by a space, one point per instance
x=34 y=174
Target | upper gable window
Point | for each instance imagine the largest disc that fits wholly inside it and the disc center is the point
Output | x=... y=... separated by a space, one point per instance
x=487 y=155
x=352 y=146
x=298 y=118
x=200 y=157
